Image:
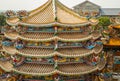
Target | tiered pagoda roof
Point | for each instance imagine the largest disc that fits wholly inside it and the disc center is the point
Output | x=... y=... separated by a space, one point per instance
x=52 y=14
x=48 y=69
x=114 y=40
x=45 y=52
x=50 y=36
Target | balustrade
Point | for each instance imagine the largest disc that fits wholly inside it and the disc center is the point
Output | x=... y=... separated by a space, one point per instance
x=19 y=44
x=7 y=42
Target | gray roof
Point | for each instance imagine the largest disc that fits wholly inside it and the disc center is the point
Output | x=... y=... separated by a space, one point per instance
x=110 y=11
x=85 y=3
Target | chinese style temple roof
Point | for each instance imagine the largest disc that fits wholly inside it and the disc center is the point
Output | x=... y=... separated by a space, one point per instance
x=116 y=26
x=36 y=69
x=113 y=42
x=6 y=66
x=51 y=13
x=10 y=50
x=48 y=69
x=33 y=43
x=50 y=36
x=48 y=52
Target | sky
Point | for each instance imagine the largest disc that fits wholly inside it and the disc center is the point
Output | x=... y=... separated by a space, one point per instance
x=32 y=4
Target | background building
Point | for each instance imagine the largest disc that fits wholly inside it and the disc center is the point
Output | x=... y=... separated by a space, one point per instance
x=88 y=8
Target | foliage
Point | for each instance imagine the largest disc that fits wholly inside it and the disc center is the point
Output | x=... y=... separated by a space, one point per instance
x=104 y=22
x=2 y=20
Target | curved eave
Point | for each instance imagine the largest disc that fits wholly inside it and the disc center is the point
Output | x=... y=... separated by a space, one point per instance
x=16 y=36
x=6 y=66
x=79 y=73
x=58 y=72
x=13 y=51
x=113 y=42
x=76 y=69
x=52 y=24
x=36 y=74
x=117 y=26
x=52 y=71
x=9 y=50
x=55 y=10
x=49 y=24
x=112 y=45
x=75 y=40
x=53 y=5
x=117 y=21
x=12 y=21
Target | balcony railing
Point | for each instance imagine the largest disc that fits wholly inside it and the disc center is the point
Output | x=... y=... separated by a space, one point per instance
x=19 y=46
x=32 y=29
x=33 y=80
x=71 y=31
x=70 y=46
x=33 y=46
x=45 y=31
x=117 y=62
x=7 y=43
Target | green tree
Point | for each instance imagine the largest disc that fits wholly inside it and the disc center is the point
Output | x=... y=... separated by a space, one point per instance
x=2 y=20
x=104 y=22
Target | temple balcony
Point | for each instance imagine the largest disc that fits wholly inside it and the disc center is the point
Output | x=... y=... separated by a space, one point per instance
x=37 y=35
x=51 y=48
x=48 y=44
x=40 y=46
x=39 y=60
x=60 y=60
x=85 y=44
x=7 y=43
x=40 y=29
x=71 y=31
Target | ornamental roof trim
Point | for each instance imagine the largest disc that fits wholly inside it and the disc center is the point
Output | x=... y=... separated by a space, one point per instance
x=52 y=11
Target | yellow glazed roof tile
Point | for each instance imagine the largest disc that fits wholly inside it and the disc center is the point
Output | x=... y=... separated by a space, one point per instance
x=114 y=42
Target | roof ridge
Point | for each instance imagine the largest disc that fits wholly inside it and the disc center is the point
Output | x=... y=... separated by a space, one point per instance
x=54 y=9
x=85 y=2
